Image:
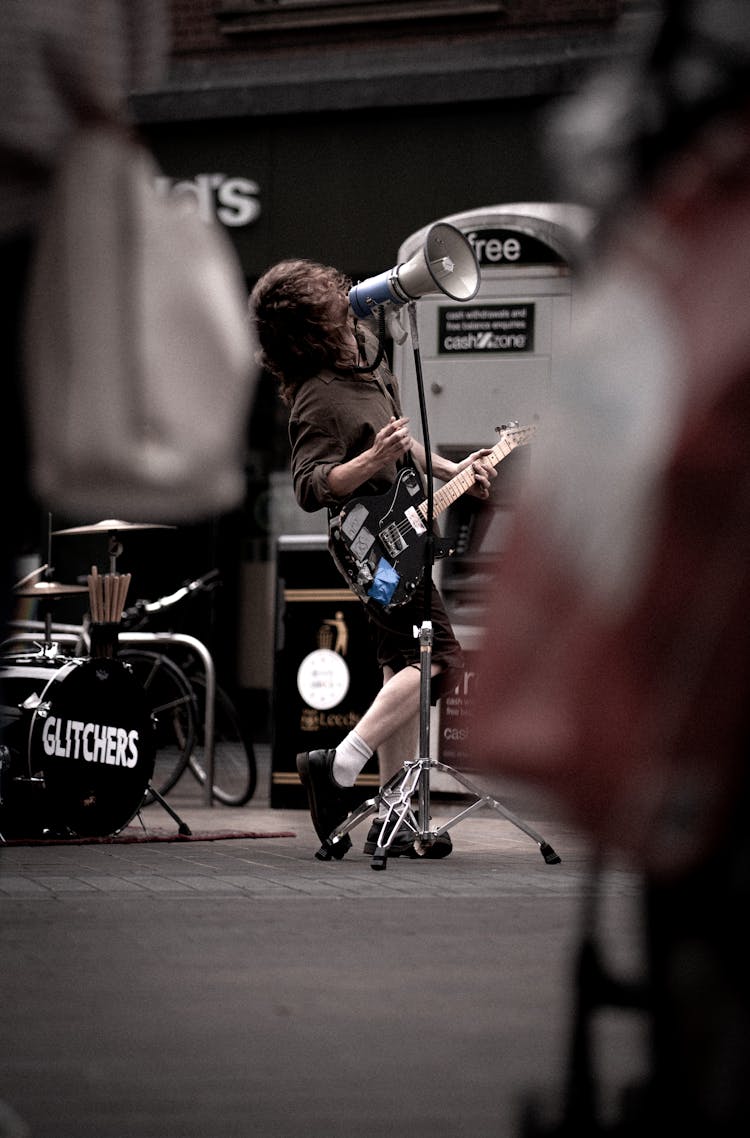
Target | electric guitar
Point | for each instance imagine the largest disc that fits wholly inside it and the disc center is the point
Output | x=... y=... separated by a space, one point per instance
x=377 y=541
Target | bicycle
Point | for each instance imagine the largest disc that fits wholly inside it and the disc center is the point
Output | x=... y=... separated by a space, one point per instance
x=177 y=692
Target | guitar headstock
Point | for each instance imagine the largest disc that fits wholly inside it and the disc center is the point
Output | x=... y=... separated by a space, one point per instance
x=515 y=436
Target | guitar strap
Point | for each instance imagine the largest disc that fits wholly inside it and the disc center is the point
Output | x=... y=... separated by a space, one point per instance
x=381 y=344
x=389 y=392
x=386 y=386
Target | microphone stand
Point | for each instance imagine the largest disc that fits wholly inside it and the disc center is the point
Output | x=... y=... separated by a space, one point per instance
x=414 y=778
x=425 y=632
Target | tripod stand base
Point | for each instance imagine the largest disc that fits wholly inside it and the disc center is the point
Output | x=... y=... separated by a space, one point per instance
x=397 y=796
x=334 y=850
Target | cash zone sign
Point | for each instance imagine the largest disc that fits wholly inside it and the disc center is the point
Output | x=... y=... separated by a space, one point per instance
x=486 y=328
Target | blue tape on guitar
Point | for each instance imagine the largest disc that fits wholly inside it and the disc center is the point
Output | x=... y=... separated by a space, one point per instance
x=384 y=582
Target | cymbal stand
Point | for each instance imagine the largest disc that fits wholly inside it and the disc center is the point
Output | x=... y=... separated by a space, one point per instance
x=48 y=649
x=114 y=550
x=413 y=781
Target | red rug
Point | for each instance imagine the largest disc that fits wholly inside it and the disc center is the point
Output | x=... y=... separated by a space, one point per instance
x=128 y=836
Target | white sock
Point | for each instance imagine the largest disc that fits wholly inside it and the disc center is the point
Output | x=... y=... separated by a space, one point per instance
x=351 y=755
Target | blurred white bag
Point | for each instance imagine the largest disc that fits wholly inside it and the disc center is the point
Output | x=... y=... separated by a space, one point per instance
x=139 y=357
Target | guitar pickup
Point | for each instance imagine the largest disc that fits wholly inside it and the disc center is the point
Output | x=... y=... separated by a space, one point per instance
x=413 y=516
x=392 y=540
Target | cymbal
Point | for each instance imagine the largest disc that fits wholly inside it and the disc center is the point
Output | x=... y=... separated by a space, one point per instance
x=112 y=525
x=47 y=589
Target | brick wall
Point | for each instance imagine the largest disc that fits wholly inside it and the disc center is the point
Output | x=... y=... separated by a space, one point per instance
x=197 y=29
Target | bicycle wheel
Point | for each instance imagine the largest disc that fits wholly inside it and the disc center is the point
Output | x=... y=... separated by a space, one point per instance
x=174 y=712
x=235 y=771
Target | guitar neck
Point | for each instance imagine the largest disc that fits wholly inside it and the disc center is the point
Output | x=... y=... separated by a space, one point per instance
x=465 y=479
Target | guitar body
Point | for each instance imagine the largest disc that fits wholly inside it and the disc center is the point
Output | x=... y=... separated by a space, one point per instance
x=378 y=542
x=376 y=536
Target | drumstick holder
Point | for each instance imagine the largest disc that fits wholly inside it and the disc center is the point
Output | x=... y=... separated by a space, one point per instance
x=104 y=639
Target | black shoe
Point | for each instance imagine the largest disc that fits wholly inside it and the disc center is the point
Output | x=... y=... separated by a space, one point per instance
x=441 y=847
x=328 y=805
x=403 y=843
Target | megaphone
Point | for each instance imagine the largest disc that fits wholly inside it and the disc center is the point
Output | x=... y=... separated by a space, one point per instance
x=445 y=263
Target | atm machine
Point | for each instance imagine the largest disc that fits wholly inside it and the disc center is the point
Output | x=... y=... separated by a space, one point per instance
x=486 y=363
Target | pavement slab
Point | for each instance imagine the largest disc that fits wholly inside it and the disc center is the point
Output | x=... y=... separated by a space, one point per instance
x=241 y=988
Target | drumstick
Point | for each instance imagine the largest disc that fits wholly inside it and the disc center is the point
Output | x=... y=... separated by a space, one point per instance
x=117 y=605
x=94 y=594
x=125 y=590
x=27 y=578
x=122 y=592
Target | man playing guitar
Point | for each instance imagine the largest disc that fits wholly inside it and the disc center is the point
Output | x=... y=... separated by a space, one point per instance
x=349 y=439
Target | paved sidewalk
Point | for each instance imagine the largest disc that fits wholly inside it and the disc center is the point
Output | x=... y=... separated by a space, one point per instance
x=242 y=988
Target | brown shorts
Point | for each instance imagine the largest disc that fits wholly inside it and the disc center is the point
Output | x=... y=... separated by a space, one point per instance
x=398 y=647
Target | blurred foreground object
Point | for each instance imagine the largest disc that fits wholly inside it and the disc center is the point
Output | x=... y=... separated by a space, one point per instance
x=617 y=657
x=139 y=370
x=128 y=359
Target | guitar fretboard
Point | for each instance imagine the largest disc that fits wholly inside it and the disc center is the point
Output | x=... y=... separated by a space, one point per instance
x=466 y=478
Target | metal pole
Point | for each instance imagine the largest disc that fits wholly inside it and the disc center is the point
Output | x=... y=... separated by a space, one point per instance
x=210 y=675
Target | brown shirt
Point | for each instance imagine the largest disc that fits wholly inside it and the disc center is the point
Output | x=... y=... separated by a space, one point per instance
x=335 y=417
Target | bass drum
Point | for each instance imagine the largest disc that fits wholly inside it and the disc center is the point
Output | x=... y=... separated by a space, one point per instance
x=78 y=743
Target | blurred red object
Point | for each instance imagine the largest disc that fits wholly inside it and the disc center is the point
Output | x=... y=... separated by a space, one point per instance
x=616 y=663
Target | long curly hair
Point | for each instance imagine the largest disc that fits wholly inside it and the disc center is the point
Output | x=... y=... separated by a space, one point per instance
x=300 y=312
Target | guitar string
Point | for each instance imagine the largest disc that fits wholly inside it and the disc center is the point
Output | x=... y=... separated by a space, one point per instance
x=404 y=526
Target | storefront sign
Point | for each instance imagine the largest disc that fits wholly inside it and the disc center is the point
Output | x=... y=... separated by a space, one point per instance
x=232 y=201
x=486 y=328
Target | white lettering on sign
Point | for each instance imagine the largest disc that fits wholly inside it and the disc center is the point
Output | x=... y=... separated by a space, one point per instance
x=491 y=250
x=487 y=328
x=92 y=742
x=485 y=342
x=216 y=197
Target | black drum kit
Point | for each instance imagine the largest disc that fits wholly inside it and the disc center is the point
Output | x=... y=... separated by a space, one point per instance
x=77 y=745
